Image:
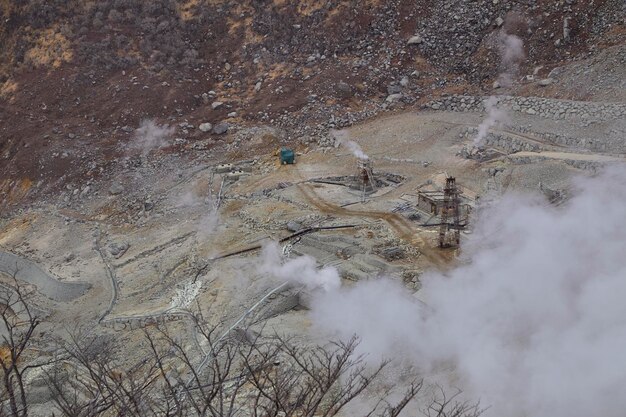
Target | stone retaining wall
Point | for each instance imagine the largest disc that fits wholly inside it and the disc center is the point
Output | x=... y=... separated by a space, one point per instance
x=543 y=107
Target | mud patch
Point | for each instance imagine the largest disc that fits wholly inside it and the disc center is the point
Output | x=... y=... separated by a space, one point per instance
x=47 y=285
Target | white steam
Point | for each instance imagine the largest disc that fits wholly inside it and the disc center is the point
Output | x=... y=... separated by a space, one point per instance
x=382 y=313
x=149 y=136
x=511 y=49
x=534 y=323
x=192 y=206
x=342 y=137
x=300 y=270
x=495 y=117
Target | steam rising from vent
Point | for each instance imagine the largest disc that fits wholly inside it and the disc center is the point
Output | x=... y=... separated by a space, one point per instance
x=207 y=223
x=534 y=324
x=149 y=135
x=495 y=117
x=511 y=50
x=342 y=137
x=299 y=270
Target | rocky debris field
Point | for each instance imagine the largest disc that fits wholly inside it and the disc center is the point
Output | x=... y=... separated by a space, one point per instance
x=210 y=70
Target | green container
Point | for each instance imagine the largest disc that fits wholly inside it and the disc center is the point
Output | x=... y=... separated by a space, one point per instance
x=287 y=156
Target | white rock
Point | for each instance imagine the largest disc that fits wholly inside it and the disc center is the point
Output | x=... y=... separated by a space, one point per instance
x=393 y=97
x=205 y=127
x=232 y=114
x=216 y=105
x=545 y=82
x=414 y=40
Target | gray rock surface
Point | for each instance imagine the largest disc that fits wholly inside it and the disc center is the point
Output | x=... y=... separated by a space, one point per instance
x=220 y=128
x=343 y=90
x=116 y=188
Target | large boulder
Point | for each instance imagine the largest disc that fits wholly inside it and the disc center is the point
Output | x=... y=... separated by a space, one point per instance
x=116 y=188
x=392 y=98
x=294 y=226
x=220 y=128
x=343 y=90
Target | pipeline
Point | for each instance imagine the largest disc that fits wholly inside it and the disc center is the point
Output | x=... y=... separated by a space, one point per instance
x=292 y=236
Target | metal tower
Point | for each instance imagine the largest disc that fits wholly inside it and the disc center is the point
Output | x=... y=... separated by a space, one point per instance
x=450 y=228
x=365 y=177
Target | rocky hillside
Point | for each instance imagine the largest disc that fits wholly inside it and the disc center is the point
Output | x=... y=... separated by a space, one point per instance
x=77 y=77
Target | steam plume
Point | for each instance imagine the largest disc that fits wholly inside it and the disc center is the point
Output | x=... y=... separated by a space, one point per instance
x=191 y=202
x=149 y=135
x=495 y=117
x=299 y=270
x=534 y=322
x=511 y=50
x=342 y=138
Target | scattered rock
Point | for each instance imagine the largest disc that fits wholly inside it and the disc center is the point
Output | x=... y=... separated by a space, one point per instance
x=232 y=114
x=343 y=90
x=404 y=82
x=393 y=97
x=294 y=226
x=257 y=87
x=116 y=188
x=414 y=40
x=220 y=128
x=499 y=21
x=118 y=249
x=566 y=29
x=546 y=82
x=496 y=84
x=205 y=127
x=394 y=89
x=216 y=105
